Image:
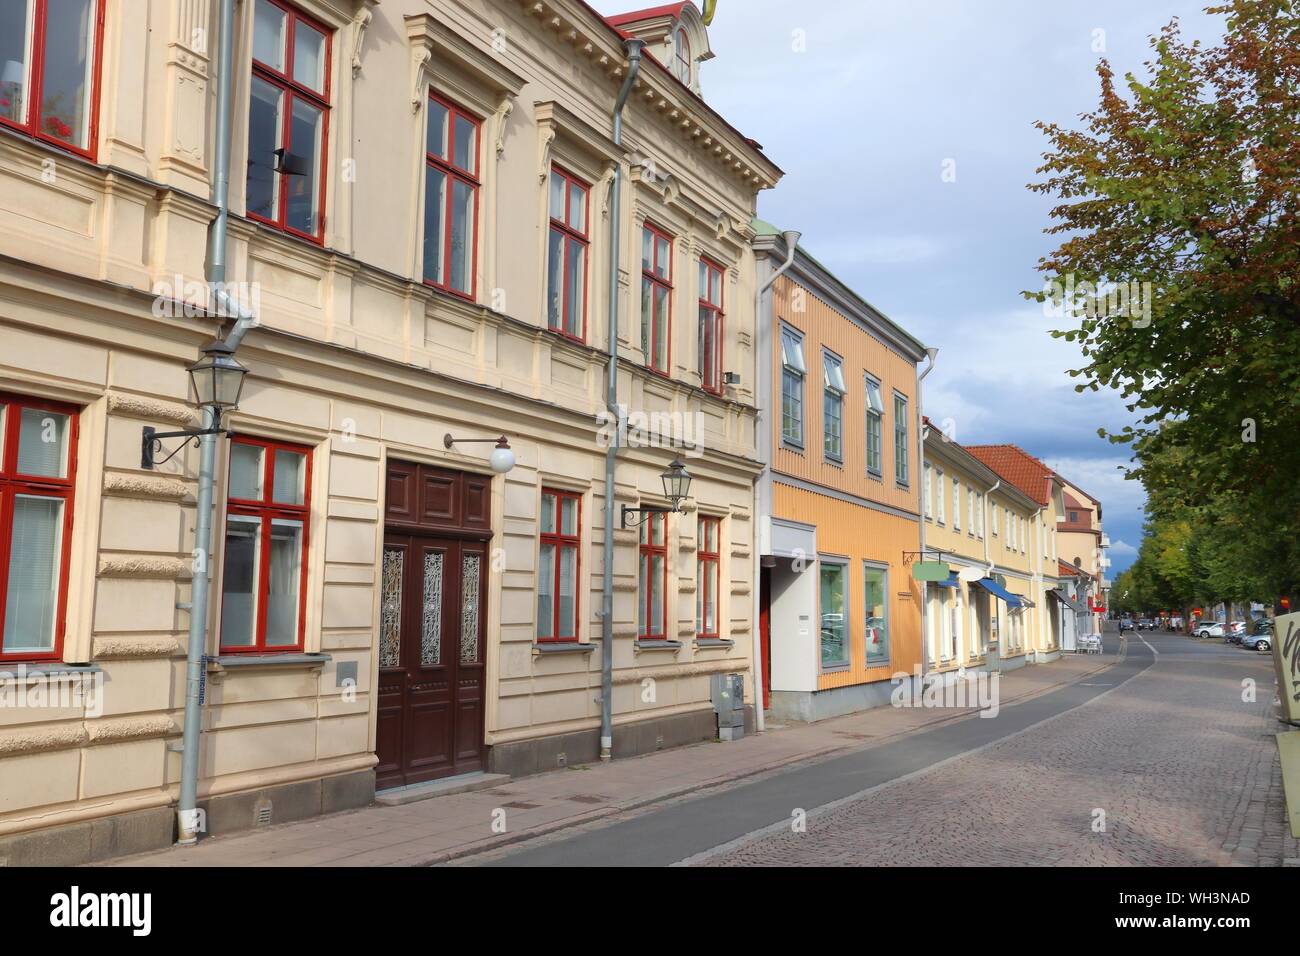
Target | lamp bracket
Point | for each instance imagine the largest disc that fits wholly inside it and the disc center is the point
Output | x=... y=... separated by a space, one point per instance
x=151 y=443
x=910 y=556
x=644 y=511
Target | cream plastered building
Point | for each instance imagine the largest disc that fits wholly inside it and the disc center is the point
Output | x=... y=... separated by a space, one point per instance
x=385 y=610
x=995 y=611
x=1084 y=544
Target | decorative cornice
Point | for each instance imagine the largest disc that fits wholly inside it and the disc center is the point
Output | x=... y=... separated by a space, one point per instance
x=555 y=121
x=581 y=29
x=428 y=35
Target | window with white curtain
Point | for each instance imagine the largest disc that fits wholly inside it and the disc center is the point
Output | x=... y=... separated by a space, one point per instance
x=37 y=470
x=264 y=568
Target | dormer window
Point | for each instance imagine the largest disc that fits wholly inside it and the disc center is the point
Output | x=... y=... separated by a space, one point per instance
x=683 y=53
x=675 y=33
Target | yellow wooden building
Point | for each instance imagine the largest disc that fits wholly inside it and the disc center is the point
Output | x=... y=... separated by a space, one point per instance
x=839 y=614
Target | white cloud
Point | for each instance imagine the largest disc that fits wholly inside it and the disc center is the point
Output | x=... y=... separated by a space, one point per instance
x=1122 y=549
x=860 y=250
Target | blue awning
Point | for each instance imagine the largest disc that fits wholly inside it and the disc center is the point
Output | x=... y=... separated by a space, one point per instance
x=998 y=591
x=950 y=583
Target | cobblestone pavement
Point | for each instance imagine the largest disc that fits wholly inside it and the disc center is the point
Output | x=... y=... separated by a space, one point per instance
x=1185 y=772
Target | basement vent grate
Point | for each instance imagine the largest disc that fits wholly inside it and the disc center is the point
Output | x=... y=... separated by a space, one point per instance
x=262 y=814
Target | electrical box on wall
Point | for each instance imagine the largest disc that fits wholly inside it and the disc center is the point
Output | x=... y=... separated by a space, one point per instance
x=728 y=692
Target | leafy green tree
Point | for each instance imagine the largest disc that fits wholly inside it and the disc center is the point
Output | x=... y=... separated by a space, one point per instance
x=1188 y=179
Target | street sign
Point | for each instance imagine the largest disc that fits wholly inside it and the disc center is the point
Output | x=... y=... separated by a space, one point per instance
x=1286 y=660
x=931 y=571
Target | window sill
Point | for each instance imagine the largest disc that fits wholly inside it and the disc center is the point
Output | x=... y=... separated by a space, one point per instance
x=714 y=642
x=47 y=670
x=836 y=668
x=562 y=647
x=224 y=662
x=653 y=645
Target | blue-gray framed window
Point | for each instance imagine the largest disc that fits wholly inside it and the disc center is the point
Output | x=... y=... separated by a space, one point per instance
x=900 y=439
x=833 y=392
x=876 y=610
x=793 y=372
x=833 y=606
x=875 y=428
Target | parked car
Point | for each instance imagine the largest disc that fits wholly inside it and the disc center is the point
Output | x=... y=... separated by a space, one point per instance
x=1239 y=628
x=1258 y=642
x=1209 y=629
x=1125 y=625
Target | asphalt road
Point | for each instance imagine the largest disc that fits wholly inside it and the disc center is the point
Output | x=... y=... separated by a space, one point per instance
x=681 y=831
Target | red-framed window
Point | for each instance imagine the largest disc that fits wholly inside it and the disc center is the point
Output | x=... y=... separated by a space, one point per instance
x=710 y=337
x=656 y=297
x=652 y=597
x=706 y=577
x=451 y=184
x=264 y=576
x=559 y=566
x=567 y=255
x=50 y=54
x=288 y=120
x=38 y=466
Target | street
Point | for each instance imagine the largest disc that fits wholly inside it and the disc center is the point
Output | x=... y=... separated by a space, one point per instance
x=1155 y=761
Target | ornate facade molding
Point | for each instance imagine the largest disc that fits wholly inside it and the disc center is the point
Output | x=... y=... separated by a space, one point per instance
x=145 y=486
x=149 y=409
x=126 y=648
x=147 y=567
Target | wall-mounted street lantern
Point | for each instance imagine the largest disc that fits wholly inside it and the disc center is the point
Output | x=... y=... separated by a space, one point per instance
x=502 y=458
x=677 y=488
x=217 y=380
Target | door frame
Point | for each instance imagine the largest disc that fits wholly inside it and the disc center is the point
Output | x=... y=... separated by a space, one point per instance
x=416 y=532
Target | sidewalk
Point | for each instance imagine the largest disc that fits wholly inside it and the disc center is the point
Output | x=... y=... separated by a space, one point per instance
x=448 y=827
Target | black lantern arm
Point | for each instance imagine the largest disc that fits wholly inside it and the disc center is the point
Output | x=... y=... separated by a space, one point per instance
x=151 y=443
x=641 y=514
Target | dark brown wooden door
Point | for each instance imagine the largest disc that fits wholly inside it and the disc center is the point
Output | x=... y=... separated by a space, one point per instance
x=432 y=626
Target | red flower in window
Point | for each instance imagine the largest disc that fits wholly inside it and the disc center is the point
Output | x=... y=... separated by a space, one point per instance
x=57 y=127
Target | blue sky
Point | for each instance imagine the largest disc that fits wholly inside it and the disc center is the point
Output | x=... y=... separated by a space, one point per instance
x=882 y=98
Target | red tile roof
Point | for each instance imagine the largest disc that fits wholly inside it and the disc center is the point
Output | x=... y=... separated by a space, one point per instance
x=1015 y=465
x=1070 y=569
x=667 y=10
x=1075 y=503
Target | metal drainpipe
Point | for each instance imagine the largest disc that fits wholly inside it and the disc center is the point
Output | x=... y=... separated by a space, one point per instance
x=633 y=47
x=188 y=826
x=931 y=353
x=761 y=502
x=988 y=562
